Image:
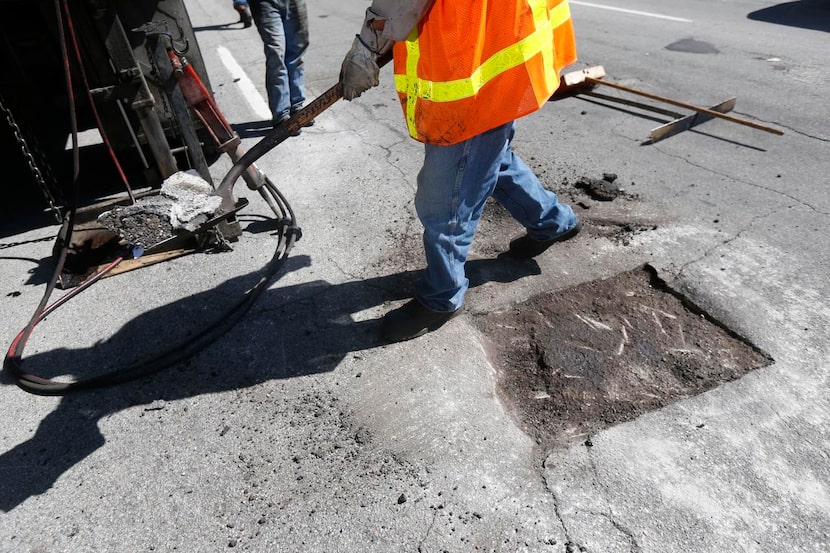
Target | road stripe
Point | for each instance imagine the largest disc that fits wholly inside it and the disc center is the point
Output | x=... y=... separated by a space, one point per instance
x=633 y=12
x=249 y=91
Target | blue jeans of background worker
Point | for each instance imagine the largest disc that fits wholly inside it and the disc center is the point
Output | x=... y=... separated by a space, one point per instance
x=283 y=27
x=453 y=186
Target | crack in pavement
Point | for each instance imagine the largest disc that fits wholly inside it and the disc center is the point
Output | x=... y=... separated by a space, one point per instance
x=736 y=179
x=556 y=500
x=570 y=544
x=722 y=244
x=624 y=530
x=742 y=181
x=793 y=129
x=426 y=534
x=388 y=150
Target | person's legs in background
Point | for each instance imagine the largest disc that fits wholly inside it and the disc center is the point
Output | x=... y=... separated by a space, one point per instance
x=296 y=43
x=268 y=16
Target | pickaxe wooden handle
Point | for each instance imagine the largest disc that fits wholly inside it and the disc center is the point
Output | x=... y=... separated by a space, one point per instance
x=593 y=76
x=279 y=134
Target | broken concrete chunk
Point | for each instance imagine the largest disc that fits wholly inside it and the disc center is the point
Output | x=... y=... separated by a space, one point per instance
x=193 y=203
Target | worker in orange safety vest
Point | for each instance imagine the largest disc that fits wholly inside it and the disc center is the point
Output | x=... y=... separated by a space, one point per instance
x=464 y=72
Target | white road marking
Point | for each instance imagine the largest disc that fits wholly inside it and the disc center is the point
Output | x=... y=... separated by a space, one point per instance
x=249 y=91
x=633 y=12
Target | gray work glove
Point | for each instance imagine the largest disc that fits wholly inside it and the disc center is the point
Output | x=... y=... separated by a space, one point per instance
x=359 y=71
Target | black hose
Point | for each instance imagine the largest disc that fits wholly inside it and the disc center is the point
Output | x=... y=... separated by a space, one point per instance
x=288 y=233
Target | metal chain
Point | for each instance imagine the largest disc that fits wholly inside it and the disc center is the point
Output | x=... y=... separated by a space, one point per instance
x=30 y=159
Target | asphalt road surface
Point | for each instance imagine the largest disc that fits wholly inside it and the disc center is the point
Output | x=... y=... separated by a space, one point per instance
x=300 y=431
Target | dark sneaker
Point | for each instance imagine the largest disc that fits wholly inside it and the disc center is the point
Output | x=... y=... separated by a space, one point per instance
x=526 y=247
x=413 y=319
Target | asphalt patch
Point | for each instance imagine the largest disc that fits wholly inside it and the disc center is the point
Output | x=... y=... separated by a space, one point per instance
x=573 y=362
x=692 y=46
x=140 y=228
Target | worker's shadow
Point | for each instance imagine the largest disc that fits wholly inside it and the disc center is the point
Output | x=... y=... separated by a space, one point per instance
x=289 y=332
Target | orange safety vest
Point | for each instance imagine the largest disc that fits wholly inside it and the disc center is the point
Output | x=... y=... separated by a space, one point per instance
x=472 y=65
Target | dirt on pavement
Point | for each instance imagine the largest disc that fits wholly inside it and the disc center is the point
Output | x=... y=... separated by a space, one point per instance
x=572 y=362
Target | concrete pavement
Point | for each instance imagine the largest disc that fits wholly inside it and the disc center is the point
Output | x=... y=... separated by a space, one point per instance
x=300 y=431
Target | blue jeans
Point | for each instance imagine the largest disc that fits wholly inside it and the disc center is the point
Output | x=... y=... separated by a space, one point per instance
x=453 y=186
x=283 y=27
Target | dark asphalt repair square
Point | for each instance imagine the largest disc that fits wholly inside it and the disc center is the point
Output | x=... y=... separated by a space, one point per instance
x=573 y=362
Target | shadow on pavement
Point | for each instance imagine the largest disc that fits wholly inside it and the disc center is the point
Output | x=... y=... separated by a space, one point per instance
x=664 y=120
x=807 y=14
x=232 y=26
x=253 y=129
x=294 y=331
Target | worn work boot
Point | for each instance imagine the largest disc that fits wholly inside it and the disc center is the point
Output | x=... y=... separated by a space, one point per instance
x=413 y=319
x=245 y=16
x=526 y=247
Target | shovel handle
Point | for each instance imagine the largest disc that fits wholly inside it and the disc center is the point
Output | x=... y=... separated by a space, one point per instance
x=692 y=107
x=271 y=140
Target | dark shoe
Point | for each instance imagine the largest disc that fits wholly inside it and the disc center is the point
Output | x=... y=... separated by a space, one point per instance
x=526 y=247
x=245 y=16
x=413 y=319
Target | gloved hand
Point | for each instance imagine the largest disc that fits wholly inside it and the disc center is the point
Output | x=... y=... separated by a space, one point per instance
x=359 y=71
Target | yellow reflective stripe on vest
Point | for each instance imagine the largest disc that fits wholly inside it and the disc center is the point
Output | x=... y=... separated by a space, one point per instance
x=558 y=16
x=512 y=56
x=410 y=86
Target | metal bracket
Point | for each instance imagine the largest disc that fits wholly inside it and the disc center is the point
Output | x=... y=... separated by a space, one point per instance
x=160 y=28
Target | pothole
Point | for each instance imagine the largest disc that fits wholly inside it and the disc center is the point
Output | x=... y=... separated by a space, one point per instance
x=575 y=361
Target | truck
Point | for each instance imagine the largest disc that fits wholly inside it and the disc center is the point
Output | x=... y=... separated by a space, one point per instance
x=101 y=102
x=105 y=105
x=99 y=72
